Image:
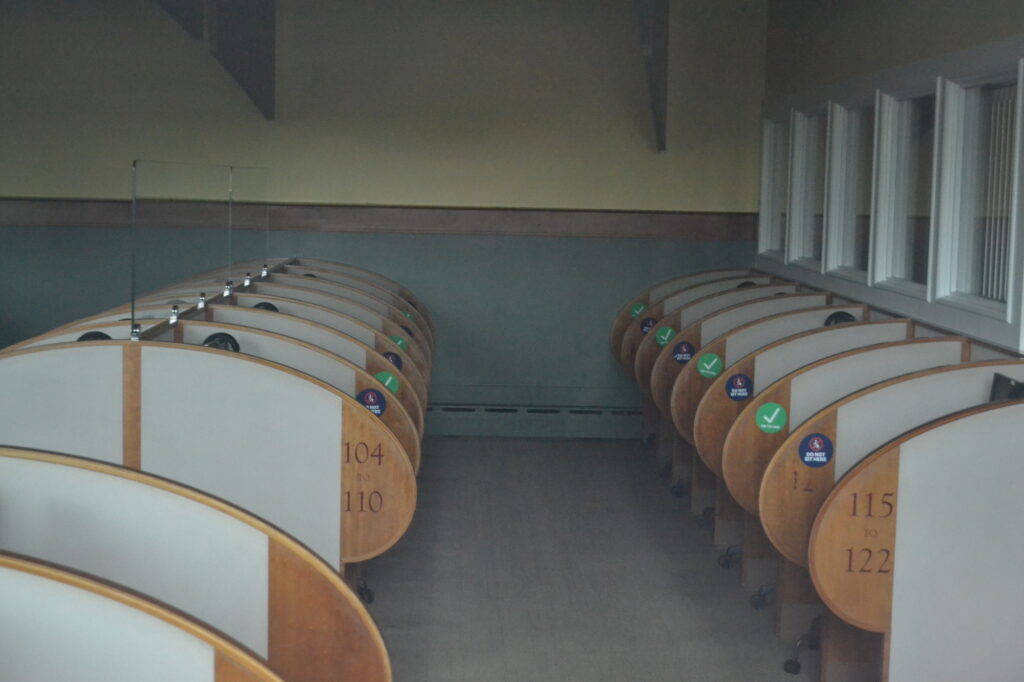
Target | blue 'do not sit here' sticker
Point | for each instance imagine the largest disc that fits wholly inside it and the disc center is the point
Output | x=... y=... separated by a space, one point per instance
x=816 y=450
x=647 y=324
x=738 y=387
x=373 y=400
x=683 y=352
x=394 y=358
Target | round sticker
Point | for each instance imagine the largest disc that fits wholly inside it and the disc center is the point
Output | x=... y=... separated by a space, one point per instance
x=683 y=352
x=647 y=324
x=394 y=358
x=409 y=332
x=664 y=335
x=637 y=308
x=400 y=342
x=709 y=365
x=373 y=400
x=816 y=450
x=770 y=417
x=389 y=380
x=408 y=314
x=738 y=387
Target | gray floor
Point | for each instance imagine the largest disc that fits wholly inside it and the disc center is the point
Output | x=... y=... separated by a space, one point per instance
x=537 y=560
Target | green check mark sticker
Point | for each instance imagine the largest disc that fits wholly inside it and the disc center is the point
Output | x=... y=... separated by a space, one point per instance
x=770 y=417
x=388 y=379
x=664 y=335
x=637 y=309
x=709 y=365
x=400 y=342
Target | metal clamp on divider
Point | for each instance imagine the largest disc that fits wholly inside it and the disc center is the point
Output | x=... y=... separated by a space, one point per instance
x=202 y=301
x=174 y=314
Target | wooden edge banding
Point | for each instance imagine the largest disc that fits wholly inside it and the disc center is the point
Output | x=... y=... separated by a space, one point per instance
x=397 y=419
x=316 y=632
x=747 y=450
x=369 y=538
x=345 y=609
x=382 y=343
x=346 y=277
x=249 y=667
x=379 y=486
x=388 y=327
x=715 y=410
x=716 y=413
x=131 y=398
x=792 y=492
x=396 y=312
x=364 y=298
x=878 y=473
x=802 y=505
x=851 y=550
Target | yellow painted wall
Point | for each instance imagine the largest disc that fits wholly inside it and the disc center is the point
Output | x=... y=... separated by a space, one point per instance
x=816 y=42
x=531 y=103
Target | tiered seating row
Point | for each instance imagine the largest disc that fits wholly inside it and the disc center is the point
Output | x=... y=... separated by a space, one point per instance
x=297 y=395
x=781 y=410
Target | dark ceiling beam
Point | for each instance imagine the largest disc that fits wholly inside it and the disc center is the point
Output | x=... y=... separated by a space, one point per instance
x=654 y=18
x=188 y=13
x=240 y=34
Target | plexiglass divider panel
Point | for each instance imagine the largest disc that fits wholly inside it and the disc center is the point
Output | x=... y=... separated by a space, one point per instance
x=249 y=223
x=181 y=226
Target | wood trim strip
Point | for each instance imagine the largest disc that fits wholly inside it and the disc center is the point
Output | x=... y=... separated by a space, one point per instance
x=131 y=399
x=469 y=221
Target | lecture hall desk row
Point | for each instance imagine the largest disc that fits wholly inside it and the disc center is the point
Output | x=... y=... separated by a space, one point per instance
x=817 y=431
x=187 y=499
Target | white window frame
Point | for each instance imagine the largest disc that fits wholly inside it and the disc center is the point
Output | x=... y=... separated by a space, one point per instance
x=908 y=81
x=799 y=229
x=952 y=210
x=770 y=152
x=892 y=123
x=839 y=237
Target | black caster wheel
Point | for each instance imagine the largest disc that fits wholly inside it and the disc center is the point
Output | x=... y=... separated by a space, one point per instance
x=364 y=592
x=792 y=666
x=757 y=601
x=678 y=489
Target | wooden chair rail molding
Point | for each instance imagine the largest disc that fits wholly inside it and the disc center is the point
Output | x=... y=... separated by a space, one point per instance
x=635 y=330
x=212 y=560
x=816 y=454
x=228 y=423
x=737 y=350
x=706 y=332
x=81 y=616
x=668 y=360
x=748 y=448
x=904 y=543
x=632 y=310
x=719 y=408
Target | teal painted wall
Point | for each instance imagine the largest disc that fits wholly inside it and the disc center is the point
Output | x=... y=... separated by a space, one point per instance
x=521 y=320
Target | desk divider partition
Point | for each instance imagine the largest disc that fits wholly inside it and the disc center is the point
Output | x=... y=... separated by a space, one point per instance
x=213 y=561
x=53 y=621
